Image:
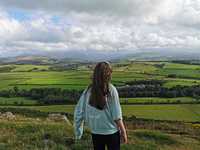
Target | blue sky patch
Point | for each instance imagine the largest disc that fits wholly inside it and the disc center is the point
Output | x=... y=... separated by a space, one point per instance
x=19 y=15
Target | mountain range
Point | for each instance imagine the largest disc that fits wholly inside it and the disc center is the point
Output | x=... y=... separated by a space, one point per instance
x=95 y=56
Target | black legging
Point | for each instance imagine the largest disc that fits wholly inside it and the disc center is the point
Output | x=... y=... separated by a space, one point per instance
x=112 y=141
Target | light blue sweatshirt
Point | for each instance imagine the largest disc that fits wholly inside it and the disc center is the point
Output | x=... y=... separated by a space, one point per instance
x=98 y=121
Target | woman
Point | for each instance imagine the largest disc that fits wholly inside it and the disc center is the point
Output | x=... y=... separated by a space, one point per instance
x=100 y=109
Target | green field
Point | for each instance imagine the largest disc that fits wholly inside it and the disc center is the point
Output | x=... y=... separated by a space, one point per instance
x=180 y=112
x=147 y=100
x=181 y=70
x=26 y=68
x=34 y=76
x=17 y=101
x=24 y=76
x=184 y=112
x=29 y=76
x=28 y=80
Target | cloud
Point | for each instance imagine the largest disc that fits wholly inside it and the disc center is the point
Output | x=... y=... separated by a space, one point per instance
x=112 y=7
x=99 y=25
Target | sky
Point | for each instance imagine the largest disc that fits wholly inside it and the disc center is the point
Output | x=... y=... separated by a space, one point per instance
x=30 y=26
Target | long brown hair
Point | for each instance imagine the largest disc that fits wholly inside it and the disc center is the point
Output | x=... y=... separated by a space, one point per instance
x=100 y=85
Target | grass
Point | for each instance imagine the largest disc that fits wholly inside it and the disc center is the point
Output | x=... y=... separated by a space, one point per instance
x=180 y=73
x=146 y=100
x=155 y=140
x=24 y=76
x=50 y=108
x=25 y=68
x=179 y=112
x=17 y=101
x=180 y=66
x=183 y=82
x=28 y=80
x=138 y=67
x=32 y=133
x=155 y=137
x=183 y=112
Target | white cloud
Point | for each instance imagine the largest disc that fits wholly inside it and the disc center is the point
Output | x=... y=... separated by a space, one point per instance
x=111 y=7
x=100 y=25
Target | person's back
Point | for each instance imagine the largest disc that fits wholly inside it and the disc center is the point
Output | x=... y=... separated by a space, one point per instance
x=102 y=121
x=100 y=109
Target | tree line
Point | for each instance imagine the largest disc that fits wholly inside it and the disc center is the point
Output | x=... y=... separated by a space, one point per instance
x=156 y=91
x=143 y=88
x=44 y=95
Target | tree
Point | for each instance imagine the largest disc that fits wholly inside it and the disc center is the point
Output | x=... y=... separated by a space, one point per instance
x=16 y=90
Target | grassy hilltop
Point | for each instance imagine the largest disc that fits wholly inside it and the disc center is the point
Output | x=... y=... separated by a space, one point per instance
x=38 y=133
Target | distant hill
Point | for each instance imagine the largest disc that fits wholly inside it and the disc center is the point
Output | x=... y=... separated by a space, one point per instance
x=164 y=55
x=28 y=60
x=86 y=56
x=65 y=57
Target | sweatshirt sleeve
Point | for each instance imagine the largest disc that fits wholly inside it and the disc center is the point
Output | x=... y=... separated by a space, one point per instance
x=115 y=105
x=79 y=117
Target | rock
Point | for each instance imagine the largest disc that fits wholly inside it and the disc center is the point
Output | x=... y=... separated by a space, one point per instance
x=1 y=117
x=37 y=119
x=8 y=115
x=58 y=117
